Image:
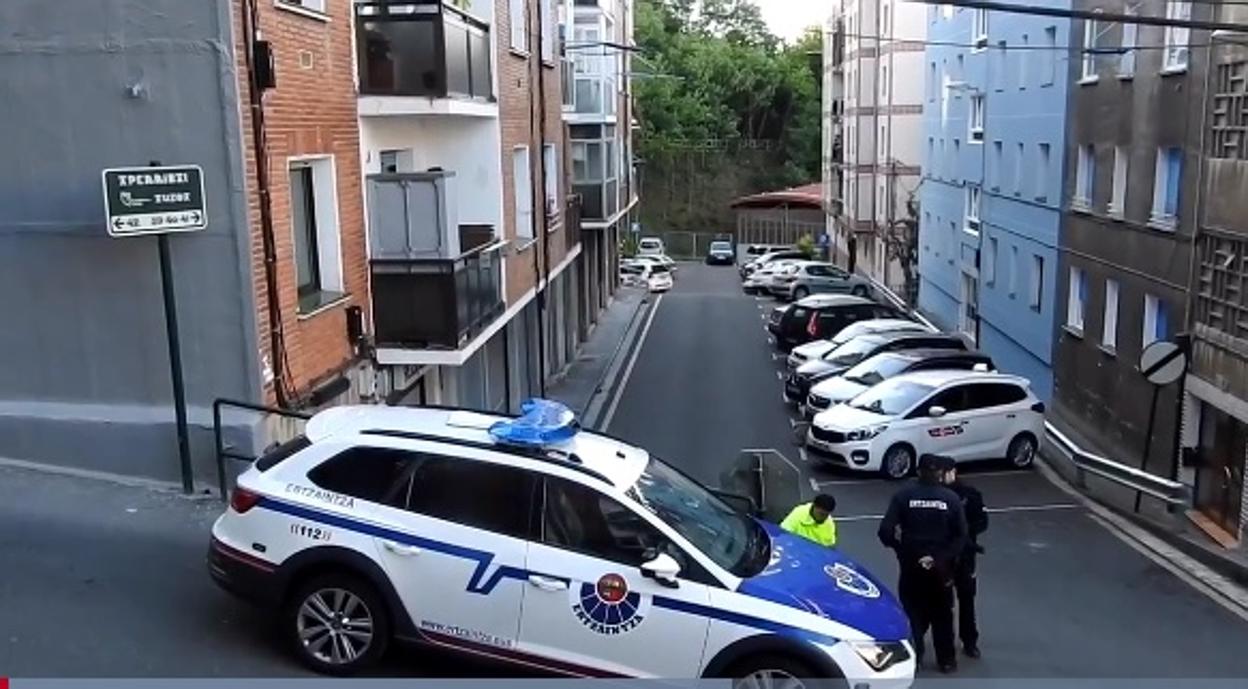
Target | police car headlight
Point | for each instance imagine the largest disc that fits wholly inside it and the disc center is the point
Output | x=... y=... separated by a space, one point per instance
x=866 y=433
x=880 y=655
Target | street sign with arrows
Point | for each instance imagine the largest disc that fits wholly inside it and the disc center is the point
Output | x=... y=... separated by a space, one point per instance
x=154 y=200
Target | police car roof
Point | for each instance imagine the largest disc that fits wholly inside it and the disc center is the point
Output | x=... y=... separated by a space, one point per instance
x=937 y=378
x=610 y=459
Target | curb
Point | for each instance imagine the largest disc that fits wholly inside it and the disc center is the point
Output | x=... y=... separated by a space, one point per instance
x=609 y=381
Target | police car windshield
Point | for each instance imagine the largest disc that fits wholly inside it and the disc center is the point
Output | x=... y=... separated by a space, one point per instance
x=892 y=397
x=731 y=539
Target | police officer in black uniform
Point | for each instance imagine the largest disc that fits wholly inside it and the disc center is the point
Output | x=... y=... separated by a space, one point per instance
x=964 y=579
x=926 y=526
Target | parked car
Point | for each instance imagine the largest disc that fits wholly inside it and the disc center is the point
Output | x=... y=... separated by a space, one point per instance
x=797 y=385
x=759 y=282
x=965 y=415
x=818 y=278
x=784 y=254
x=823 y=316
x=817 y=348
x=656 y=259
x=753 y=251
x=660 y=279
x=651 y=246
x=720 y=253
x=634 y=274
x=879 y=368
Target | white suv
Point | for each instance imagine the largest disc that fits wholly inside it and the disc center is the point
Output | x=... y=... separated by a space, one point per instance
x=965 y=415
x=527 y=541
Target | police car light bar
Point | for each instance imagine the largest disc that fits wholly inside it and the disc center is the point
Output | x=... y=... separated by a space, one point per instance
x=541 y=423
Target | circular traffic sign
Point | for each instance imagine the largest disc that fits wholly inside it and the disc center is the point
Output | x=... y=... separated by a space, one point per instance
x=1163 y=362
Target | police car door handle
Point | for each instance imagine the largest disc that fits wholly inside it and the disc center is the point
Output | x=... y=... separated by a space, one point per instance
x=548 y=583
x=400 y=549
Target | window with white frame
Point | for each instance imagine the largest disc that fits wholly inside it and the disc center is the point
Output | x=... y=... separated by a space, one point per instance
x=999 y=66
x=972 y=208
x=550 y=161
x=1109 y=323
x=314 y=228
x=989 y=267
x=1042 y=173
x=1037 y=282
x=1118 y=193
x=312 y=5
x=519 y=31
x=977 y=118
x=1156 y=320
x=1085 y=170
x=1076 y=299
x=979 y=30
x=1090 y=34
x=1130 y=34
x=1176 y=37
x=522 y=187
x=1167 y=175
x=548 y=30
x=1048 y=57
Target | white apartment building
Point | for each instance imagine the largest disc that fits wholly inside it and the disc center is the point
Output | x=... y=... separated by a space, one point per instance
x=878 y=111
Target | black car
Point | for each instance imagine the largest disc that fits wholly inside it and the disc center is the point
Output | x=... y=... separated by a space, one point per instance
x=822 y=316
x=797 y=385
x=721 y=253
x=873 y=370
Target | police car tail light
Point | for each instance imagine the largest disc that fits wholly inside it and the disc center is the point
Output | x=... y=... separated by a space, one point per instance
x=242 y=500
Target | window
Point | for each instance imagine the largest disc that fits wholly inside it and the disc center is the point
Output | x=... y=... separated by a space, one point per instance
x=473 y=493
x=313 y=5
x=1088 y=73
x=1156 y=323
x=548 y=30
x=1037 y=282
x=957 y=151
x=389 y=161
x=977 y=118
x=1042 y=174
x=519 y=31
x=989 y=267
x=960 y=75
x=1085 y=170
x=1048 y=57
x=932 y=82
x=1130 y=34
x=375 y=474
x=1019 y=171
x=314 y=224
x=1076 y=299
x=969 y=313
x=887 y=16
x=986 y=395
x=1023 y=57
x=953 y=240
x=979 y=31
x=550 y=161
x=952 y=400
x=522 y=186
x=999 y=66
x=1013 y=270
x=931 y=154
x=884 y=82
x=972 y=208
x=1168 y=173
x=1118 y=195
x=583 y=520
x=1177 y=37
x=998 y=165
x=1109 y=324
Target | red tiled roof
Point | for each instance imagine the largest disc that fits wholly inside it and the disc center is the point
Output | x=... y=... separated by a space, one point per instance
x=805 y=196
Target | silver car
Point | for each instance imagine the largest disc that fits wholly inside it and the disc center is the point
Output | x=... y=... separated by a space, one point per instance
x=810 y=278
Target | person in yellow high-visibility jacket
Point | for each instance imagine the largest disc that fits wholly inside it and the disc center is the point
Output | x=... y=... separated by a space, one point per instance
x=813 y=520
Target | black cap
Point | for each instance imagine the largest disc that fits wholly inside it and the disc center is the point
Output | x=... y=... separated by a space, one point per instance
x=931 y=462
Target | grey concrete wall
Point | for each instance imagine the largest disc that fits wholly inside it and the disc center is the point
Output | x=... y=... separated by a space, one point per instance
x=84 y=379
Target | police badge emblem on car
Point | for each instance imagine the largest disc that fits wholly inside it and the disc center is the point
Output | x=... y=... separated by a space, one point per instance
x=848 y=579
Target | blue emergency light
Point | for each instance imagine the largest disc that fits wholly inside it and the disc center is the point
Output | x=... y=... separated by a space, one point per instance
x=541 y=423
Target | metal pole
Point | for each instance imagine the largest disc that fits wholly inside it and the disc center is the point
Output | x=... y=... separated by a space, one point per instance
x=175 y=362
x=1148 y=440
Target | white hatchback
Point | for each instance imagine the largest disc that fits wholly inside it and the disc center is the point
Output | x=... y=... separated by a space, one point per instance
x=965 y=415
x=817 y=348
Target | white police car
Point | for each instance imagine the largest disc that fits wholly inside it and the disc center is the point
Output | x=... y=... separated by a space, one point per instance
x=966 y=415
x=527 y=541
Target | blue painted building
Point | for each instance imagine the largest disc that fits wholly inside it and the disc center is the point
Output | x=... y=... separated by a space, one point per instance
x=994 y=121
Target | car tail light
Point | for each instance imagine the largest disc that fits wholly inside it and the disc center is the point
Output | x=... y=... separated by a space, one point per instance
x=1038 y=407
x=242 y=500
x=812 y=327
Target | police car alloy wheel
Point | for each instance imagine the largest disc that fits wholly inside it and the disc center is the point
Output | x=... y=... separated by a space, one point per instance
x=771 y=672
x=1022 y=451
x=898 y=462
x=338 y=624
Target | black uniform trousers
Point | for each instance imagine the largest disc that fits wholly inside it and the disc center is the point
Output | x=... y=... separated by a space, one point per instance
x=927 y=596
x=964 y=583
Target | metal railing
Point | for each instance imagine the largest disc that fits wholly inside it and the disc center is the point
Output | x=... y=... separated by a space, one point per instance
x=224 y=451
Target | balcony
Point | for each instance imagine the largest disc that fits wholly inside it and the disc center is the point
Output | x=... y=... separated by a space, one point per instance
x=422 y=49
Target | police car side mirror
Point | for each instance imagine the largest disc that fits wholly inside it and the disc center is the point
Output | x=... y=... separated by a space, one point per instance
x=936 y=411
x=663 y=568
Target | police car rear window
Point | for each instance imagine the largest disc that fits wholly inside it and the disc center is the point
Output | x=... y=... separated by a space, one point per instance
x=375 y=474
x=275 y=456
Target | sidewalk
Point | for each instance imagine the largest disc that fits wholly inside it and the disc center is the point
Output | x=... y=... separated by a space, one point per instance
x=599 y=362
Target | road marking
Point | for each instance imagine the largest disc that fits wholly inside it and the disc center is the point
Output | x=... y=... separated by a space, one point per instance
x=966 y=475
x=801 y=454
x=605 y=422
x=815 y=486
x=989 y=510
x=780 y=375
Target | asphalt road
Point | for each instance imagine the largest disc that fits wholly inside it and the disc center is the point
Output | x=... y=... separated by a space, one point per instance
x=1060 y=595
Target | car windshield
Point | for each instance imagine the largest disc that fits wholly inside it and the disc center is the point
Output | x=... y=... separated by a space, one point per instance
x=721 y=246
x=732 y=539
x=876 y=369
x=851 y=352
x=892 y=397
x=660 y=268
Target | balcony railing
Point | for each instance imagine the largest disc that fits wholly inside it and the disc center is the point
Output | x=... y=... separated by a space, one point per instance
x=438 y=303
x=422 y=48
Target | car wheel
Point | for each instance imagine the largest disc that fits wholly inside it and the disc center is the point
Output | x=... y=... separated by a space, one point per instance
x=859 y=291
x=800 y=293
x=337 y=624
x=772 y=672
x=898 y=462
x=1022 y=451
